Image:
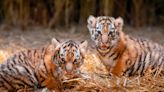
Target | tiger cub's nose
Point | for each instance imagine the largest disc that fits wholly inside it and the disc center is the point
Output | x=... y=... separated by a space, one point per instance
x=104 y=38
x=69 y=68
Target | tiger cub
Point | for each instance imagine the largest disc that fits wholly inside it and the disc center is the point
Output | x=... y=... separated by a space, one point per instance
x=120 y=53
x=40 y=68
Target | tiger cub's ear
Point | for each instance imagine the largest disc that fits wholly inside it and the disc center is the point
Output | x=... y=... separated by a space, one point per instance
x=55 y=42
x=119 y=22
x=83 y=47
x=54 y=46
x=91 y=21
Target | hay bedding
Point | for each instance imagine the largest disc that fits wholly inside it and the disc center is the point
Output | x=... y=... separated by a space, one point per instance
x=94 y=75
x=96 y=79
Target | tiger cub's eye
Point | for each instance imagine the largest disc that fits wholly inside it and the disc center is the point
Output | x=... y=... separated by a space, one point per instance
x=111 y=28
x=62 y=61
x=75 y=61
x=77 y=53
x=98 y=26
x=99 y=32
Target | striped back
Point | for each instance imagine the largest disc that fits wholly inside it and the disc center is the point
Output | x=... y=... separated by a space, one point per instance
x=44 y=67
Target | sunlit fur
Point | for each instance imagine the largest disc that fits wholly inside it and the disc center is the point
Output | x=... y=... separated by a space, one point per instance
x=120 y=53
x=40 y=68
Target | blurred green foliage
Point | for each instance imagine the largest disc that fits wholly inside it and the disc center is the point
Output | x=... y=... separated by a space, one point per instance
x=51 y=13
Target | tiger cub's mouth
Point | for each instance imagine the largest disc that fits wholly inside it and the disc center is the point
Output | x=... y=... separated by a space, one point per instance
x=67 y=76
x=104 y=46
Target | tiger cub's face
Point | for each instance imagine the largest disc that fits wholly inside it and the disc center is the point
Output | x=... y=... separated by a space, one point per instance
x=69 y=56
x=104 y=30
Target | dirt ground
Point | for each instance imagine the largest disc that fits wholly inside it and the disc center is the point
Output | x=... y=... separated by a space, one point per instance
x=13 y=40
x=16 y=39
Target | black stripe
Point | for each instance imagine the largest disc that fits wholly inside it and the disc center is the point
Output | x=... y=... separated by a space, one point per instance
x=129 y=68
x=151 y=59
x=20 y=59
x=24 y=57
x=133 y=66
x=24 y=54
x=14 y=59
x=26 y=62
x=161 y=62
x=29 y=54
x=17 y=70
x=13 y=68
x=110 y=49
x=35 y=75
x=22 y=81
x=140 y=58
x=6 y=81
x=142 y=61
x=43 y=74
x=9 y=67
x=120 y=53
x=39 y=77
x=158 y=59
x=43 y=53
x=45 y=67
x=9 y=60
x=17 y=59
x=143 y=68
x=34 y=56
x=42 y=81
x=112 y=54
x=142 y=64
x=27 y=69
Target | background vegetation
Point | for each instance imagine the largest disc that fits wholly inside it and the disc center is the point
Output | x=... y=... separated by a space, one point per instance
x=51 y=13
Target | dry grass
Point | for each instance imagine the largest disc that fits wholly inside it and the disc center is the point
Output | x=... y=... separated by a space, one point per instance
x=95 y=78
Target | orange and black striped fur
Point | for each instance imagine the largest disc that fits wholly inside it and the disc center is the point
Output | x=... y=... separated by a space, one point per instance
x=120 y=53
x=40 y=68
